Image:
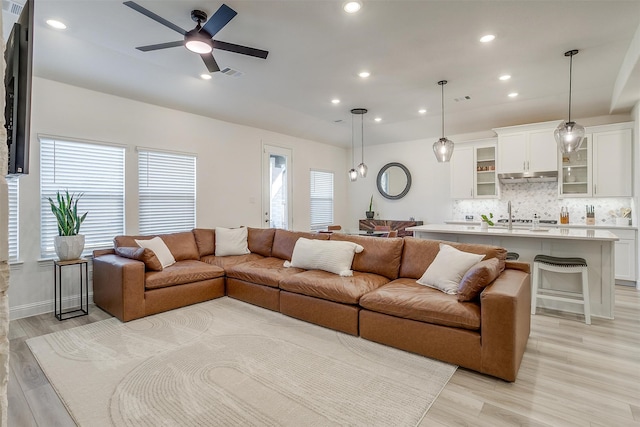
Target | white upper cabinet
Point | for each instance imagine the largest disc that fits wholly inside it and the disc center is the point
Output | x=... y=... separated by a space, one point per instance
x=527 y=148
x=473 y=170
x=612 y=163
x=602 y=167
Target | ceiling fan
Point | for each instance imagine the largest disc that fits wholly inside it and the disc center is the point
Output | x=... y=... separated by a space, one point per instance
x=200 y=39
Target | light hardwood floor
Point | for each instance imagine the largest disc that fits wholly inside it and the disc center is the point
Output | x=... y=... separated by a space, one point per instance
x=572 y=375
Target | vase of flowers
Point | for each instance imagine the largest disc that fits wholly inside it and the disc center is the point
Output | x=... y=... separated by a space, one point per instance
x=68 y=244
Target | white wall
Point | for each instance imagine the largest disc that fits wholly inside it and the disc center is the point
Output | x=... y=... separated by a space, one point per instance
x=229 y=163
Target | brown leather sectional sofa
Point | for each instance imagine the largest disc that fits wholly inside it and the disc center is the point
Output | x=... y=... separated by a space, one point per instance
x=381 y=302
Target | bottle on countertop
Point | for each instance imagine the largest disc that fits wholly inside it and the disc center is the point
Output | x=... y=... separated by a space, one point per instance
x=536 y=222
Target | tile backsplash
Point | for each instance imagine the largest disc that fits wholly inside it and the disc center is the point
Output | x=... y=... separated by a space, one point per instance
x=540 y=198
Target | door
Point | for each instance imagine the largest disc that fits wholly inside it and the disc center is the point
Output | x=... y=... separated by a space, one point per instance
x=612 y=164
x=276 y=187
x=512 y=153
x=543 y=151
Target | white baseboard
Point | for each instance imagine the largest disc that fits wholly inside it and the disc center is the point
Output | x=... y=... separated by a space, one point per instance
x=42 y=307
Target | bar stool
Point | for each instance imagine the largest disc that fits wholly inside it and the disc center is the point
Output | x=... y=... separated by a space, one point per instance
x=512 y=256
x=561 y=265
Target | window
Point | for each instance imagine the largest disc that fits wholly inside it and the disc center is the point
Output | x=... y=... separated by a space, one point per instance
x=14 y=252
x=94 y=170
x=166 y=191
x=321 y=194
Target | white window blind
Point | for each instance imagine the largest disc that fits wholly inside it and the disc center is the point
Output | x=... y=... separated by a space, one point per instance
x=14 y=251
x=94 y=170
x=167 y=192
x=321 y=194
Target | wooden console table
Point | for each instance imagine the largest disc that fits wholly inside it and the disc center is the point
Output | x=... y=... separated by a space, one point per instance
x=370 y=225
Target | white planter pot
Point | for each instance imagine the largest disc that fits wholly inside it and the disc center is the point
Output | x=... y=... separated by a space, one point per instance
x=484 y=226
x=69 y=247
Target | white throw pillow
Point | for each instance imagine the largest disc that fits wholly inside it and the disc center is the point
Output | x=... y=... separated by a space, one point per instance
x=231 y=241
x=159 y=247
x=328 y=255
x=448 y=268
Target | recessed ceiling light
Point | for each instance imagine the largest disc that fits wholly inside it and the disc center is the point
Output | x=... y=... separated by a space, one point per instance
x=505 y=77
x=488 y=38
x=378 y=119
x=205 y=76
x=56 y=24
x=422 y=111
x=364 y=74
x=352 y=6
x=335 y=101
x=513 y=94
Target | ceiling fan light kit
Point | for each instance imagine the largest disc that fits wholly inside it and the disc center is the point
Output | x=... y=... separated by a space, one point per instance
x=443 y=148
x=200 y=39
x=569 y=135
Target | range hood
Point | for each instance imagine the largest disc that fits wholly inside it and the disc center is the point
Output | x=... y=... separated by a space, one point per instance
x=517 y=178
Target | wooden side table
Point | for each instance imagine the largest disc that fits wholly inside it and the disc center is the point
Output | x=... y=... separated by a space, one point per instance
x=83 y=310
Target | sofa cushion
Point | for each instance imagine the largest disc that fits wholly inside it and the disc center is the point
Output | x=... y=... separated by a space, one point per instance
x=151 y=261
x=260 y=240
x=229 y=261
x=328 y=286
x=205 y=240
x=266 y=271
x=478 y=277
x=380 y=256
x=447 y=269
x=182 y=245
x=160 y=249
x=182 y=272
x=231 y=241
x=407 y=299
x=285 y=240
x=331 y=256
x=418 y=254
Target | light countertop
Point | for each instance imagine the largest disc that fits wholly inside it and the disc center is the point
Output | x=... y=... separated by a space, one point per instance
x=566 y=233
x=528 y=225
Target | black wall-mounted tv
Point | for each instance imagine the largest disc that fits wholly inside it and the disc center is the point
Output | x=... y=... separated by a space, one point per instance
x=18 y=57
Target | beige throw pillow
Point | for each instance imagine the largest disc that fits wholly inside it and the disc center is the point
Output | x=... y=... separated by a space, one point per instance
x=327 y=255
x=447 y=269
x=159 y=248
x=231 y=241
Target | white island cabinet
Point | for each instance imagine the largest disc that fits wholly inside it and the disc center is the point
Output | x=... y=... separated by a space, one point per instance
x=597 y=247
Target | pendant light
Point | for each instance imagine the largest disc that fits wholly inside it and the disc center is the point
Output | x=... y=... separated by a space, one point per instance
x=353 y=173
x=443 y=148
x=569 y=135
x=362 y=168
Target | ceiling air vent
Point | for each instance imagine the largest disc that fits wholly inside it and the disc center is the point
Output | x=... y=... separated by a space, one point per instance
x=12 y=7
x=231 y=72
x=462 y=98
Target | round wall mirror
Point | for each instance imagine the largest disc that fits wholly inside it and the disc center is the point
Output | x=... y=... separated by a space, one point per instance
x=394 y=181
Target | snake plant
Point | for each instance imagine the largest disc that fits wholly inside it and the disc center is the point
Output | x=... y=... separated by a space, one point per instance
x=65 y=208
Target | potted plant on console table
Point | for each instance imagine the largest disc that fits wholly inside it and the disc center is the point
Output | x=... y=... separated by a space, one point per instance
x=370 y=212
x=68 y=243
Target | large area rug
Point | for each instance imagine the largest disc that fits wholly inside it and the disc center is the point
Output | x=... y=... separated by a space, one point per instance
x=224 y=362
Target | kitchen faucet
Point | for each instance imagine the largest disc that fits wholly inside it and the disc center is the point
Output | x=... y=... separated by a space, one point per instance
x=510 y=224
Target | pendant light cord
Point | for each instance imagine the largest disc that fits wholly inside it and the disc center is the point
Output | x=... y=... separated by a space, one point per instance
x=352 y=146
x=570 y=74
x=442 y=85
x=362 y=135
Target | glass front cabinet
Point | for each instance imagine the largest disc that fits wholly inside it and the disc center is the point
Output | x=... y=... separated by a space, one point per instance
x=473 y=170
x=574 y=179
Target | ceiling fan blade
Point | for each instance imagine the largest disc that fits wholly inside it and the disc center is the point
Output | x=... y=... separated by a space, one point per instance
x=223 y=15
x=236 y=48
x=210 y=62
x=146 y=12
x=160 y=46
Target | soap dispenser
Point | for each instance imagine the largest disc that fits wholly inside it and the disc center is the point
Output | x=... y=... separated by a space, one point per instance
x=536 y=222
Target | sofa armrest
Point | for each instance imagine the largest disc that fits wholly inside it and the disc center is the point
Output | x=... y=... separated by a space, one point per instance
x=118 y=286
x=505 y=323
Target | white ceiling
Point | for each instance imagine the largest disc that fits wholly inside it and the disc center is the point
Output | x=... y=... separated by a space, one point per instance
x=316 y=51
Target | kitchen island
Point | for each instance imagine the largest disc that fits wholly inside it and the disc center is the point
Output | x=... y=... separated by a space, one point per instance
x=595 y=246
